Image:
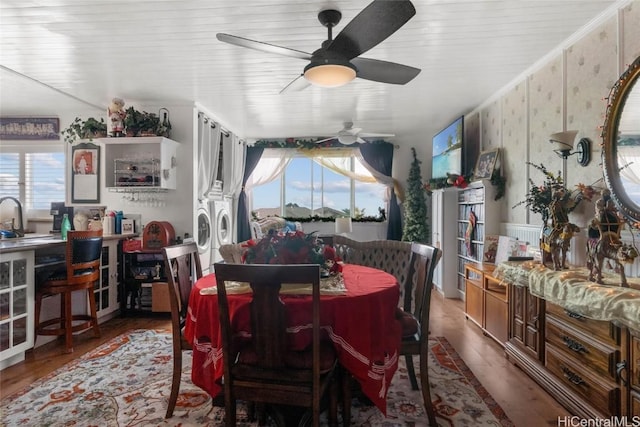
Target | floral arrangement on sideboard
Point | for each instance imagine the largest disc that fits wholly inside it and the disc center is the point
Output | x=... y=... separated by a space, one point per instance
x=539 y=197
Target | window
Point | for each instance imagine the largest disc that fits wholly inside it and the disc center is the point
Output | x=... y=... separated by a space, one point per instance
x=306 y=188
x=34 y=174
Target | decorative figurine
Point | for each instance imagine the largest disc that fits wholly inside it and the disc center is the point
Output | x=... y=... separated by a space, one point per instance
x=157 y=275
x=556 y=239
x=116 y=115
x=604 y=241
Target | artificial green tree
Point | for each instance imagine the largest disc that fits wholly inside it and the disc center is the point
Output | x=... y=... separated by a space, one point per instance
x=415 y=227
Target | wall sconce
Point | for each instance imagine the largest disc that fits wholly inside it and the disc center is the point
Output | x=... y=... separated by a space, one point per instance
x=343 y=225
x=562 y=144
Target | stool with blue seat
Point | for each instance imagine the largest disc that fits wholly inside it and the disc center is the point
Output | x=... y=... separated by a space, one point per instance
x=81 y=272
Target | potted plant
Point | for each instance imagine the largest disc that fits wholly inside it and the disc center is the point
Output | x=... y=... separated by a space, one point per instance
x=149 y=124
x=132 y=121
x=85 y=129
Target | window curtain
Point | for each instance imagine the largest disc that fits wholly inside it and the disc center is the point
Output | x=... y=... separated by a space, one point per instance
x=273 y=163
x=253 y=155
x=379 y=160
x=336 y=160
x=208 y=149
x=233 y=184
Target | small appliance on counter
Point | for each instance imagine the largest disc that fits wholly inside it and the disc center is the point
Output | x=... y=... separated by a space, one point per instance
x=58 y=209
x=158 y=234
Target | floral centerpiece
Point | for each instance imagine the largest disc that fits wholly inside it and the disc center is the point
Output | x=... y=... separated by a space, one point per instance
x=539 y=197
x=292 y=248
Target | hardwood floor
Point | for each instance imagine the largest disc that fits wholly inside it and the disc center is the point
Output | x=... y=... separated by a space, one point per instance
x=522 y=399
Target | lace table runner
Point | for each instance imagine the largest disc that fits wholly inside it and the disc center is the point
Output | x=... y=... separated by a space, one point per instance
x=332 y=285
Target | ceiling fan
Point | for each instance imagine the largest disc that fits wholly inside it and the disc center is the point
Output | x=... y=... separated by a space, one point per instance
x=350 y=135
x=338 y=60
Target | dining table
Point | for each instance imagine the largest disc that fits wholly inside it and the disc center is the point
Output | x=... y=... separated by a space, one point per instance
x=360 y=322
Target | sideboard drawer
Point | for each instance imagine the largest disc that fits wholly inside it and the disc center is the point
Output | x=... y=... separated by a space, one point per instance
x=582 y=349
x=603 y=395
x=634 y=373
x=604 y=330
x=635 y=404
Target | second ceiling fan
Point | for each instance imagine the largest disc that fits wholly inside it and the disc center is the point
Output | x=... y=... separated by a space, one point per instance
x=350 y=135
x=338 y=60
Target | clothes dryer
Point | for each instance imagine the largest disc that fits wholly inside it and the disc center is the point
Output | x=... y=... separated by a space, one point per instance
x=203 y=236
x=222 y=226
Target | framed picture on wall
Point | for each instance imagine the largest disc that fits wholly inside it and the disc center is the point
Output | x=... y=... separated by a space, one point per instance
x=485 y=164
x=85 y=173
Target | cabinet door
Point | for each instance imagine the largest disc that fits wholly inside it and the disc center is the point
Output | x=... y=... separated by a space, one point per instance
x=474 y=303
x=17 y=293
x=634 y=373
x=526 y=320
x=106 y=290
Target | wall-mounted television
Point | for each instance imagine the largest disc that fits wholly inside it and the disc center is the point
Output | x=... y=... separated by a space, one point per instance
x=446 y=150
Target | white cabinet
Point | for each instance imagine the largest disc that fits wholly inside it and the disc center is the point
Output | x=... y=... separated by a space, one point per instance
x=478 y=198
x=16 y=306
x=106 y=291
x=139 y=164
x=444 y=236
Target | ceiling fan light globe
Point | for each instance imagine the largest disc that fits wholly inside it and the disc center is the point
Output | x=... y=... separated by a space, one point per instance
x=347 y=139
x=329 y=75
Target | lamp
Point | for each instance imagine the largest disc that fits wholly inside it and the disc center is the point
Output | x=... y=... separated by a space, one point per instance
x=347 y=139
x=343 y=225
x=562 y=144
x=329 y=72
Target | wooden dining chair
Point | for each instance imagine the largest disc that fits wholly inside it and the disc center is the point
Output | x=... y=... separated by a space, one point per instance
x=183 y=269
x=414 y=317
x=80 y=273
x=263 y=369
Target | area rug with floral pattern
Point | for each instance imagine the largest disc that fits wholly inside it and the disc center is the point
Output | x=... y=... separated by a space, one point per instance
x=126 y=382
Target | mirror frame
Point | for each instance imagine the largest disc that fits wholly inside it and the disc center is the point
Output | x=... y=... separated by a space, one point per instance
x=617 y=98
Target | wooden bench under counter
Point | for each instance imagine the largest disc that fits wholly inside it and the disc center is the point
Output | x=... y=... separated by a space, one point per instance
x=587 y=349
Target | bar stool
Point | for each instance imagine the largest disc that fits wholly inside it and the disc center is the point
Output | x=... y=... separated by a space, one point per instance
x=82 y=271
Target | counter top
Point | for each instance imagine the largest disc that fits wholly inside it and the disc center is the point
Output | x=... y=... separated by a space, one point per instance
x=572 y=290
x=38 y=241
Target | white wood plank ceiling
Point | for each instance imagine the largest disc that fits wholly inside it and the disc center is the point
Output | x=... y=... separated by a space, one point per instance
x=165 y=51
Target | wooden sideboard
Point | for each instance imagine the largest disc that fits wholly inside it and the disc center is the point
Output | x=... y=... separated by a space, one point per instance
x=590 y=366
x=486 y=301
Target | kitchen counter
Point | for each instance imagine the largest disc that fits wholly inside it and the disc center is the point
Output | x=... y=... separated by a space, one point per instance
x=39 y=241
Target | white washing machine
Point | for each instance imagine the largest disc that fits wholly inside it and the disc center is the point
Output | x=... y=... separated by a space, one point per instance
x=204 y=231
x=222 y=226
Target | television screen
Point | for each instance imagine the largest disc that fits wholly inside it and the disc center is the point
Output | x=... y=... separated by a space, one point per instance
x=447 y=150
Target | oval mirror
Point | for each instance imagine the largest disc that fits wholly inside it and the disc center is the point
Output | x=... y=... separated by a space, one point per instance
x=621 y=143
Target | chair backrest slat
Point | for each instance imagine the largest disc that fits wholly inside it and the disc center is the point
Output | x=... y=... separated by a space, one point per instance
x=268 y=317
x=183 y=269
x=418 y=286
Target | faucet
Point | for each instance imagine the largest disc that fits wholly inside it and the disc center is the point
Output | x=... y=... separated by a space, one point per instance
x=19 y=231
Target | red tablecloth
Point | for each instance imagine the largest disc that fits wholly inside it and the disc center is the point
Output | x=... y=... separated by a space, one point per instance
x=361 y=325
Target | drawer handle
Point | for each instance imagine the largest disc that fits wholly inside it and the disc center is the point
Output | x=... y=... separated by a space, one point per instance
x=574 y=345
x=572 y=376
x=574 y=315
x=621 y=366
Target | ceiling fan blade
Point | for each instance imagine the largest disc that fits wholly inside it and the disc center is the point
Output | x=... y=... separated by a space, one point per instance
x=325 y=140
x=263 y=47
x=371 y=26
x=376 y=135
x=296 y=85
x=384 y=71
